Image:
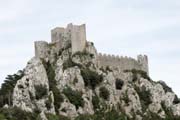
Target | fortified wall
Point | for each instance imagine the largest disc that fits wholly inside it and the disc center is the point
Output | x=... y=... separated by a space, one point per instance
x=123 y=63
x=76 y=36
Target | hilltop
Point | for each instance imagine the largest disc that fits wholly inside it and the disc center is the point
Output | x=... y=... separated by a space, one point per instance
x=69 y=79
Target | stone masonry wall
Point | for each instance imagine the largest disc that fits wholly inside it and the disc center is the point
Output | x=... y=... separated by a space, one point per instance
x=74 y=34
x=123 y=63
x=78 y=38
x=41 y=49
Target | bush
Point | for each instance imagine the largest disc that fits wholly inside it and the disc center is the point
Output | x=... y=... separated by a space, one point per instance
x=75 y=97
x=165 y=87
x=56 y=117
x=84 y=117
x=176 y=100
x=69 y=63
x=91 y=78
x=104 y=93
x=84 y=53
x=2 y=117
x=48 y=103
x=50 y=74
x=95 y=102
x=126 y=98
x=104 y=115
x=140 y=72
x=119 y=84
x=152 y=116
x=145 y=96
x=41 y=91
x=114 y=115
x=58 y=98
x=17 y=114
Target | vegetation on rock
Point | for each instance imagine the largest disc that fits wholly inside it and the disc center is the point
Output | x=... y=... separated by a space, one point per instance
x=7 y=87
x=104 y=93
x=75 y=97
x=41 y=91
x=91 y=78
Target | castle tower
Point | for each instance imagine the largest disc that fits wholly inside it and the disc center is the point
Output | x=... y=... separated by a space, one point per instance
x=41 y=49
x=74 y=34
x=143 y=61
x=78 y=38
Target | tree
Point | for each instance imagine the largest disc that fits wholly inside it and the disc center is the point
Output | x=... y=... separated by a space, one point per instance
x=7 y=87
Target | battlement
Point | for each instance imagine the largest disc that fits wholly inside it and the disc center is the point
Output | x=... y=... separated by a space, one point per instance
x=76 y=36
x=123 y=62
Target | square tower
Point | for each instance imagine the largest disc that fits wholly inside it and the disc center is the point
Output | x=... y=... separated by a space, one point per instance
x=78 y=38
x=74 y=34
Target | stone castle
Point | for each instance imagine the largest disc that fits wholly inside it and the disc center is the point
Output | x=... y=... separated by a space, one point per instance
x=75 y=35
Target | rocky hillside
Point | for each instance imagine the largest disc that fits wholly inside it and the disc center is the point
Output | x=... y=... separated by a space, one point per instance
x=71 y=86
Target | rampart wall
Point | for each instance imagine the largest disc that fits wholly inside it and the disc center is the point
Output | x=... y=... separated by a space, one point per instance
x=123 y=63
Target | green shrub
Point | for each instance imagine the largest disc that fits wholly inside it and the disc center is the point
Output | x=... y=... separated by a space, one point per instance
x=84 y=117
x=69 y=63
x=56 y=117
x=119 y=84
x=176 y=100
x=41 y=91
x=145 y=96
x=17 y=114
x=2 y=117
x=50 y=73
x=104 y=93
x=91 y=78
x=75 y=97
x=152 y=116
x=95 y=102
x=48 y=103
x=140 y=72
x=165 y=87
x=58 y=98
x=114 y=115
x=126 y=98
x=84 y=53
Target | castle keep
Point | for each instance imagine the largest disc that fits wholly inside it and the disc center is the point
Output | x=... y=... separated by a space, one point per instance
x=75 y=35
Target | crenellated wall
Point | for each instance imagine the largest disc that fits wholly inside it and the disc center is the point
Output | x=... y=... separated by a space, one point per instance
x=123 y=63
x=76 y=36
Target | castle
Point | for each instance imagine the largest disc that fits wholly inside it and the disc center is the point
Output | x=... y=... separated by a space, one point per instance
x=76 y=36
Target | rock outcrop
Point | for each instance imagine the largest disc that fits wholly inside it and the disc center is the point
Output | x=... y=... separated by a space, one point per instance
x=63 y=82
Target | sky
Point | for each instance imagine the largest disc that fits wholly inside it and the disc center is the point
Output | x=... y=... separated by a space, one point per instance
x=120 y=27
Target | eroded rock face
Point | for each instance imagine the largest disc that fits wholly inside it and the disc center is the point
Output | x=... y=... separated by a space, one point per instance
x=24 y=95
x=94 y=88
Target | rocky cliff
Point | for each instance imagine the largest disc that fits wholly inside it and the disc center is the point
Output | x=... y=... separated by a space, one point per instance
x=67 y=79
x=73 y=86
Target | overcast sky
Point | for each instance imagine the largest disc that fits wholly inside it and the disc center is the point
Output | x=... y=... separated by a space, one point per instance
x=120 y=27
